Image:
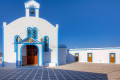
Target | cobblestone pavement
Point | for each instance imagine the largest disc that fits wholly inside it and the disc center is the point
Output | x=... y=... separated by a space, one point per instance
x=72 y=71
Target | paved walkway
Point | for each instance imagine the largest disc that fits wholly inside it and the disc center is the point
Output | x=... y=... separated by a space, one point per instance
x=73 y=71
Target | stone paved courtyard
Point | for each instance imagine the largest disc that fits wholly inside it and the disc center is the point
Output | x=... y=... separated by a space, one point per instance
x=72 y=71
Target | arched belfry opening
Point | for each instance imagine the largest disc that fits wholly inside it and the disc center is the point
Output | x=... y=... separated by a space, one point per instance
x=29 y=55
x=32 y=11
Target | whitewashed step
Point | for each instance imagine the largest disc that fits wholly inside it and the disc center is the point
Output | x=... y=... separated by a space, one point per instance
x=50 y=64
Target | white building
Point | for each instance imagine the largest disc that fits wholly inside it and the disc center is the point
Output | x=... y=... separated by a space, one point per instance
x=31 y=40
x=94 y=55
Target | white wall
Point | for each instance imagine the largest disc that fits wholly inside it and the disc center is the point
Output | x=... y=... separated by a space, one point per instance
x=46 y=57
x=99 y=55
x=62 y=55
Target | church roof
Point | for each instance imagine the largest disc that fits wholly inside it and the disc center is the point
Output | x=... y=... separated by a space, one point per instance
x=105 y=48
x=28 y=21
x=33 y=3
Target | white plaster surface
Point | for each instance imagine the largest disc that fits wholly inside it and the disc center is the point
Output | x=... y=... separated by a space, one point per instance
x=100 y=55
x=62 y=55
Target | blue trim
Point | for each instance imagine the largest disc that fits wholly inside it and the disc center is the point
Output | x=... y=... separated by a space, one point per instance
x=109 y=57
x=74 y=56
x=21 y=53
x=17 y=55
x=23 y=39
x=36 y=32
x=31 y=32
x=48 y=43
x=30 y=43
x=58 y=48
x=29 y=8
x=93 y=49
x=36 y=40
x=42 y=56
x=3 y=47
x=87 y=56
x=15 y=48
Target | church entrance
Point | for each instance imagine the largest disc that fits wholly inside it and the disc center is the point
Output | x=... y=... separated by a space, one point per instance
x=32 y=55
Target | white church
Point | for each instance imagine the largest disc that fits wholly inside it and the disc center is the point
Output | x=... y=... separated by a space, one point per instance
x=33 y=41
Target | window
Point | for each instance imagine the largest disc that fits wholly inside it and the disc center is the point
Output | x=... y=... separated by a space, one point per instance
x=32 y=32
x=16 y=39
x=35 y=33
x=46 y=44
x=29 y=32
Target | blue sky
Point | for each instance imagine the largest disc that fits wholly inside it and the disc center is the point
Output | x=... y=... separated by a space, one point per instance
x=83 y=23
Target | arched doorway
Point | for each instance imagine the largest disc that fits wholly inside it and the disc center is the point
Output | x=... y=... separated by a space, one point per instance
x=32 y=55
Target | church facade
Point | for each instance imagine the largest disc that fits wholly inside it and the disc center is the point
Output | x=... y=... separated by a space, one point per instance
x=31 y=40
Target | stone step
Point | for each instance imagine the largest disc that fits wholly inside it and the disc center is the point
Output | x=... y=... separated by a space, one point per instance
x=50 y=64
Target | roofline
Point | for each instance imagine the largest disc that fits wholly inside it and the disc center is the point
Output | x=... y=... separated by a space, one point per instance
x=93 y=48
x=27 y=38
x=62 y=47
x=29 y=1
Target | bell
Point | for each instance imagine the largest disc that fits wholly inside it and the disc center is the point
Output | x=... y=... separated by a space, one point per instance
x=32 y=12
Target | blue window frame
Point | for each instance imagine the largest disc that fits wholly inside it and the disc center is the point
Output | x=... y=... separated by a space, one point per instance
x=29 y=32
x=35 y=33
x=16 y=39
x=46 y=44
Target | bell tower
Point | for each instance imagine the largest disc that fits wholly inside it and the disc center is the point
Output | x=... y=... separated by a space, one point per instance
x=32 y=8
